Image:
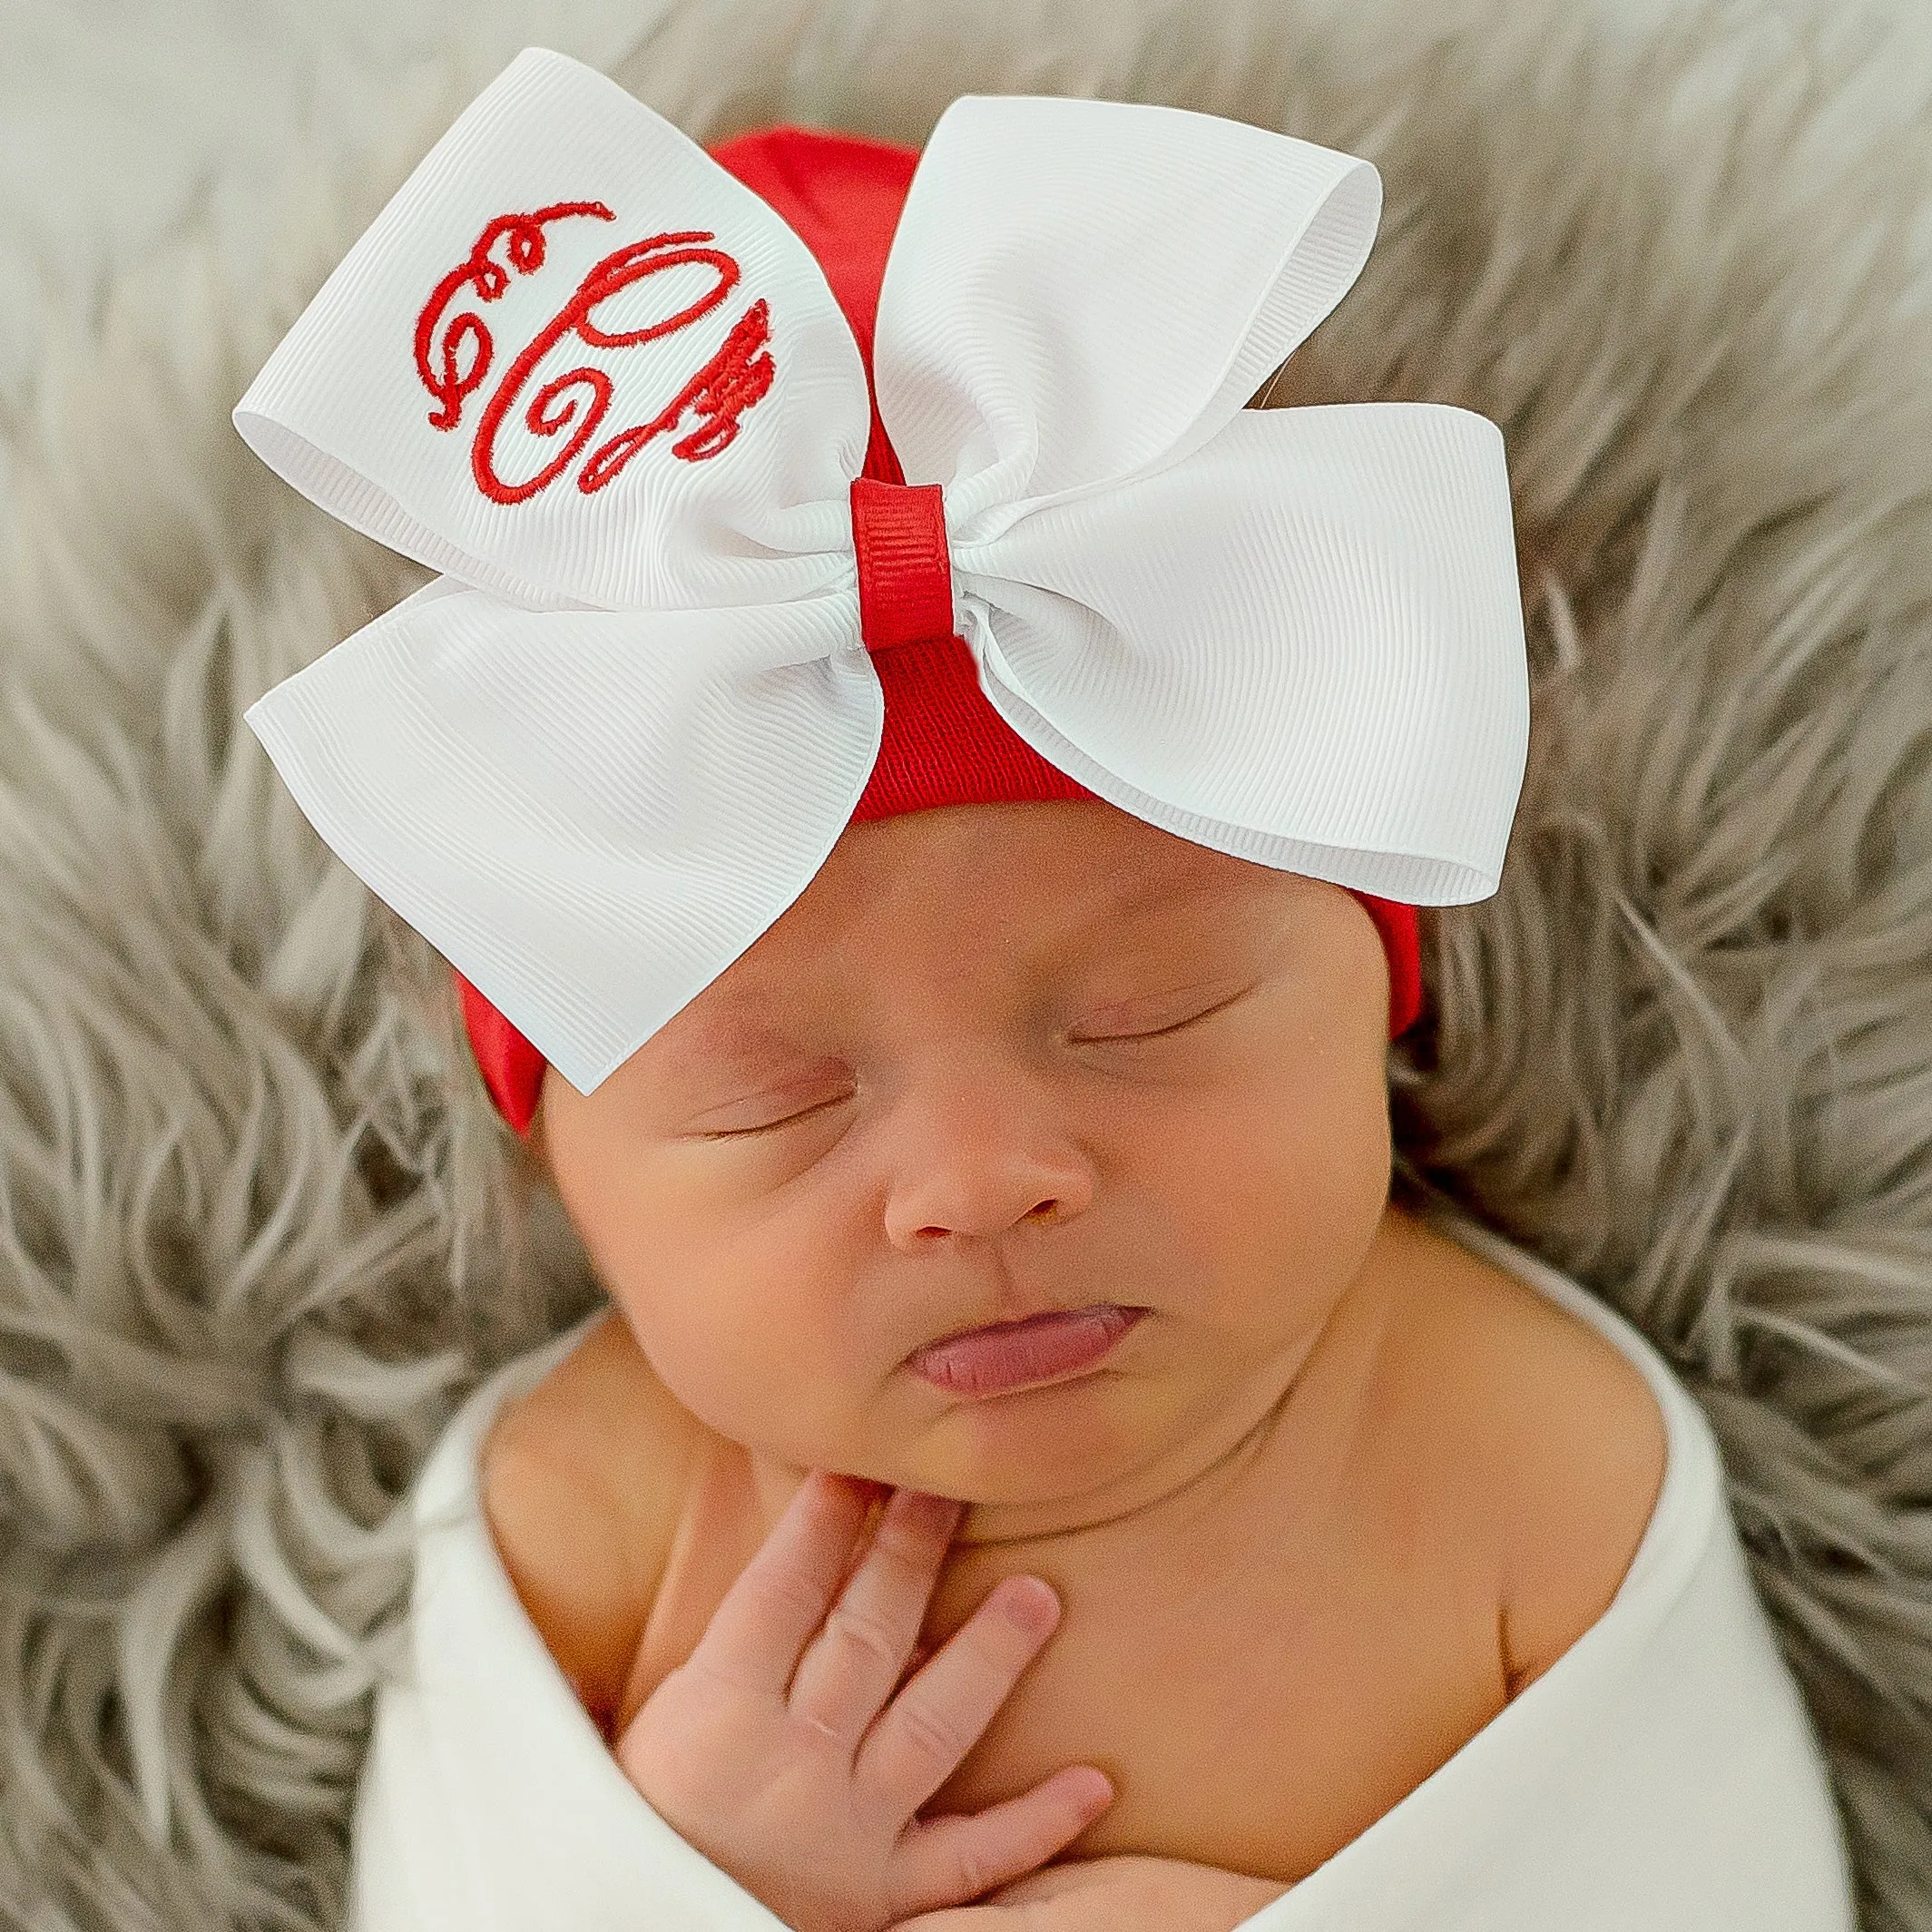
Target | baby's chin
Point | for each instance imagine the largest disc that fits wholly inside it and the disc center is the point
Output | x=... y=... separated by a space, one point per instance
x=1058 y=1455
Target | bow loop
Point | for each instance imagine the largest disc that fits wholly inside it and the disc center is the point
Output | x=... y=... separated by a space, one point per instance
x=1084 y=291
x=526 y=372
x=1294 y=649
x=588 y=911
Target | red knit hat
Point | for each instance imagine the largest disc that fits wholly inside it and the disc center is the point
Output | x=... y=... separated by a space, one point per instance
x=943 y=743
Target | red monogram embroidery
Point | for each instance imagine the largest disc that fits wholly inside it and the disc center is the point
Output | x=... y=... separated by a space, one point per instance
x=453 y=366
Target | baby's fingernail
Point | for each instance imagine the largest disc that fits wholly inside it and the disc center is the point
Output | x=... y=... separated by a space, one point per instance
x=1032 y=1604
x=924 y=1509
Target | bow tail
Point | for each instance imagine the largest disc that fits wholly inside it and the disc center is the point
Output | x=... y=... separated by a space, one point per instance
x=1303 y=647
x=639 y=794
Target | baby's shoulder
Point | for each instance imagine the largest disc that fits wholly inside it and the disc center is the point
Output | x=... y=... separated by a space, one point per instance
x=1559 y=1442
x=581 y=1479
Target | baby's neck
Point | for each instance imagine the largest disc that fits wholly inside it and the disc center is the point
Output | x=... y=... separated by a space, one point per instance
x=1303 y=1407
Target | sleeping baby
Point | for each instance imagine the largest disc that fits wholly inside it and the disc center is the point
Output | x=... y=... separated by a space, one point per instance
x=1037 y=1162
x=940 y=939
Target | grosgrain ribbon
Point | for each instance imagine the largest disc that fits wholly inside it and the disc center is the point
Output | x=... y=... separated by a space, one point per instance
x=905 y=576
x=604 y=389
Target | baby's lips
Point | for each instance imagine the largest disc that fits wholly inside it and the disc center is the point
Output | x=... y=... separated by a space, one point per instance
x=1018 y=1354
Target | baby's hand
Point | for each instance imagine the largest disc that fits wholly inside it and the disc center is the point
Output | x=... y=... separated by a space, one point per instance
x=796 y=1774
x=1125 y=1893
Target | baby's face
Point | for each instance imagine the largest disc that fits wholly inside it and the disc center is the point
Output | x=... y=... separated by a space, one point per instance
x=919 y=1104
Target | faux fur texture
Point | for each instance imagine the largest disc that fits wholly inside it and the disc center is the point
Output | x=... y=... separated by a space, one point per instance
x=259 y=1231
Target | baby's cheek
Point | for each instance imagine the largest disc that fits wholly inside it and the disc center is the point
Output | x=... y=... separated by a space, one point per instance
x=1301 y=1186
x=1335 y=1147
x=711 y=1317
x=762 y=1347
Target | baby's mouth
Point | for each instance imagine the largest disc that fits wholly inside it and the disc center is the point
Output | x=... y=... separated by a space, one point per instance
x=1005 y=1355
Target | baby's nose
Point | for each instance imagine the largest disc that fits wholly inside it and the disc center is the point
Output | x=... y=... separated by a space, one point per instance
x=977 y=1162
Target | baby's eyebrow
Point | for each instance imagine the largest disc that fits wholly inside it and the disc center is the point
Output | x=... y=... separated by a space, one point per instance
x=1150 y=894
x=736 y=1030
x=1157 y=894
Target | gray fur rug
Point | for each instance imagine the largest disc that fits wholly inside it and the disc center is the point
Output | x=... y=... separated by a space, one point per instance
x=259 y=1231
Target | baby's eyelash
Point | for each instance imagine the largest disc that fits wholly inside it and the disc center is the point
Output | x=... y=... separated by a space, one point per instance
x=739 y=1134
x=1125 y=1039
x=1129 y=1039
x=1112 y=1039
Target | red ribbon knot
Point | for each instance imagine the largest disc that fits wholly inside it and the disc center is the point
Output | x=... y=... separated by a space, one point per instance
x=904 y=573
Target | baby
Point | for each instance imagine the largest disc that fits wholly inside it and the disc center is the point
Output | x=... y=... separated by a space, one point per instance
x=1311 y=1491
x=941 y=939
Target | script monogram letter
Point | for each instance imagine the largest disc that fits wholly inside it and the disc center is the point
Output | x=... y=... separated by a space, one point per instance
x=454 y=361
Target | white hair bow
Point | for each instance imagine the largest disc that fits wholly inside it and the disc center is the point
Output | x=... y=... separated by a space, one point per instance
x=602 y=753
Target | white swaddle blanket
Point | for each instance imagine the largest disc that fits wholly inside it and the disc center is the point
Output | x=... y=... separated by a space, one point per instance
x=1661 y=1777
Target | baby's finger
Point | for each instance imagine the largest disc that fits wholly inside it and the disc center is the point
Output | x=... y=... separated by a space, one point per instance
x=781 y=1596
x=850 y=1670
x=921 y=1736
x=947 y=1860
